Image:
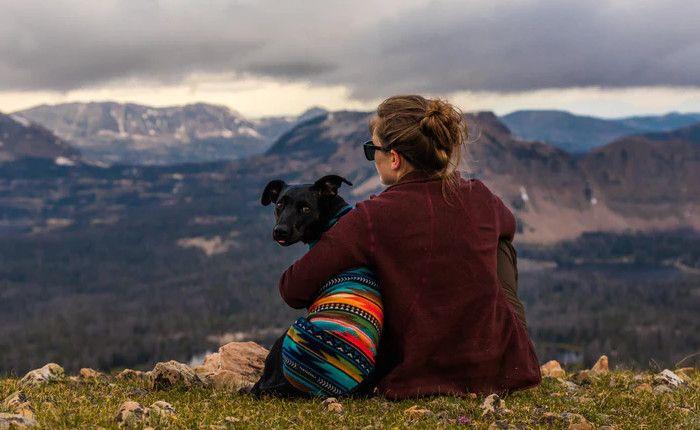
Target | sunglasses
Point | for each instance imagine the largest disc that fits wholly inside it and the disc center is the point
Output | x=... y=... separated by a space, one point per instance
x=369 y=149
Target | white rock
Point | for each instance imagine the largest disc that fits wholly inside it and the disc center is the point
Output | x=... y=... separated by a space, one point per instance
x=171 y=373
x=48 y=373
x=669 y=379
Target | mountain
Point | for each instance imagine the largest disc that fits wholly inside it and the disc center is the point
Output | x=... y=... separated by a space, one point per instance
x=20 y=138
x=667 y=122
x=128 y=133
x=273 y=127
x=579 y=133
x=134 y=134
x=572 y=133
x=650 y=178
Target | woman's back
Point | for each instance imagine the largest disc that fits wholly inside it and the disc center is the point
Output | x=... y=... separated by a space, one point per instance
x=448 y=327
x=447 y=323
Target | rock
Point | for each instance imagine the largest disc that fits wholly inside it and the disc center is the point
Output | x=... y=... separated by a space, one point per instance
x=584 y=377
x=601 y=366
x=329 y=400
x=130 y=415
x=16 y=421
x=87 y=373
x=133 y=375
x=576 y=421
x=552 y=369
x=159 y=412
x=50 y=372
x=161 y=408
x=668 y=379
x=643 y=388
x=661 y=389
x=172 y=373
x=17 y=401
x=335 y=407
x=416 y=411
x=549 y=418
x=237 y=365
x=568 y=385
x=492 y=405
x=688 y=371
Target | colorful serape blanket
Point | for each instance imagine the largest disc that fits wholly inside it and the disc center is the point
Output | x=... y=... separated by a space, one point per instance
x=331 y=350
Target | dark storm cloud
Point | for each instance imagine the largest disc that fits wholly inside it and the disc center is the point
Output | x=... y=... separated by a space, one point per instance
x=375 y=48
x=294 y=69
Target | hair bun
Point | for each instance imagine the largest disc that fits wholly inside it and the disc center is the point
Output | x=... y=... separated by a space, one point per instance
x=433 y=122
x=434 y=108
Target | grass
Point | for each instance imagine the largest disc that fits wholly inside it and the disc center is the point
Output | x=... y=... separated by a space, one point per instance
x=609 y=400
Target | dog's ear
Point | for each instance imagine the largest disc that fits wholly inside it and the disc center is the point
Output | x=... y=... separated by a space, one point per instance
x=329 y=184
x=272 y=191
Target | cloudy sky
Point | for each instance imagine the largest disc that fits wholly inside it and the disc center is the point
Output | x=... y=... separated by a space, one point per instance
x=608 y=57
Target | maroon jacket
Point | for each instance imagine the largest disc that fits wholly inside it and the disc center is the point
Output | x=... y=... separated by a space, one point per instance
x=448 y=328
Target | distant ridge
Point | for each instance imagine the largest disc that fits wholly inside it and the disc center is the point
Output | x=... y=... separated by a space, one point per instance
x=580 y=133
x=128 y=133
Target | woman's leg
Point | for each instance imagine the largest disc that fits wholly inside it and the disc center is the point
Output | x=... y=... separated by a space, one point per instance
x=273 y=382
x=507 y=268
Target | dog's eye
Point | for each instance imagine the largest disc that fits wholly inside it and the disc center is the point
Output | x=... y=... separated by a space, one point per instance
x=279 y=205
x=305 y=209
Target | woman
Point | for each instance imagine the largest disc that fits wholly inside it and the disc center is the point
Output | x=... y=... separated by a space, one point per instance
x=432 y=239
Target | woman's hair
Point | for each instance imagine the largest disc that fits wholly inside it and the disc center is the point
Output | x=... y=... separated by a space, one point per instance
x=428 y=133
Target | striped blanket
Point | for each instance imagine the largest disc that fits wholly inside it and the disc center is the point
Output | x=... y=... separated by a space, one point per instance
x=331 y=350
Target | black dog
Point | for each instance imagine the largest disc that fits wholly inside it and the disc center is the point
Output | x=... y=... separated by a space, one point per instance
x=302 y=213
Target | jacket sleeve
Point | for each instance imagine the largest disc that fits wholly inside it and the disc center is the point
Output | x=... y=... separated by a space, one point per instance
x=505 y=220
x=346 y=245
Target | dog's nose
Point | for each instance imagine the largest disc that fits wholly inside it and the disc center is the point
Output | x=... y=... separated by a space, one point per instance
x=280 y=233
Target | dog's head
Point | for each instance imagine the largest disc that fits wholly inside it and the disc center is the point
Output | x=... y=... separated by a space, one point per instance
x=301 y=211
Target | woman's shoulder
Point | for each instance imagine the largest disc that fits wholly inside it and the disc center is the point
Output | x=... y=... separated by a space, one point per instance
x=476 y=185
x=400 y=196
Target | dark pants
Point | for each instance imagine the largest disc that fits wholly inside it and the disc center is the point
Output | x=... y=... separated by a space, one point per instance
x=273 y=383
x=507 y=268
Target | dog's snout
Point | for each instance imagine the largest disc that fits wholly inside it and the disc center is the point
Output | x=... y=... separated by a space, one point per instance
x=280 y=232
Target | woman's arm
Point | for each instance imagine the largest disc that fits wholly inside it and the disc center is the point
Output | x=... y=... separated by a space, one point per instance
x=505 y=219
x=347 y=244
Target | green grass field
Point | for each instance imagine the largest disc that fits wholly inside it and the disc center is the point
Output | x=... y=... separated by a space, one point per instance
x=610 y=400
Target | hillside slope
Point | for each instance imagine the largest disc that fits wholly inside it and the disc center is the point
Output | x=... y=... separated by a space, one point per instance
x=20 y=138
